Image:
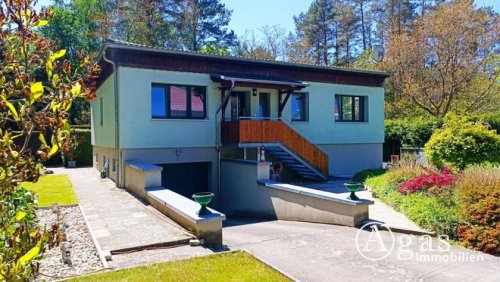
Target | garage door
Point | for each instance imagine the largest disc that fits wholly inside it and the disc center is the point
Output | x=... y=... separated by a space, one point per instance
x=186 y=179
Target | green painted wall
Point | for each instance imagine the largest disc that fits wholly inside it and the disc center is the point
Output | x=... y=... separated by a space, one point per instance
x=104 y=135
x=322 y=128
x=139 y=130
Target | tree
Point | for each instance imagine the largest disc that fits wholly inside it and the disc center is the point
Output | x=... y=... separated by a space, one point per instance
x=37 y=88
x=435 y=63
x=250 y=46
x=275 y=41
x=201 y=22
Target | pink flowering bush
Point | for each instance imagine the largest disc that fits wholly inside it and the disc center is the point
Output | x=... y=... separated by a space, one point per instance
x=426 y=181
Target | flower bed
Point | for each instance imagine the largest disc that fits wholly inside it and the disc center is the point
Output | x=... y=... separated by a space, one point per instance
x=463 y=205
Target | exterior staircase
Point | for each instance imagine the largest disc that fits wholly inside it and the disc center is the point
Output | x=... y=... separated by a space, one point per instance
x=280 y=141
x=294 y=162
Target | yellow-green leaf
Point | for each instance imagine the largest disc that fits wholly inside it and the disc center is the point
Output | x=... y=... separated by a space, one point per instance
x=41 y=23
x=49 y=67
x=42 y=139
x=66 y=127
x=55 y=80
x=57 y=55
x=53 y=150
x=68 y=106
x=31 y=254
x=36 y=91
x=76 y=89
x=20 y=215
x=12 y=110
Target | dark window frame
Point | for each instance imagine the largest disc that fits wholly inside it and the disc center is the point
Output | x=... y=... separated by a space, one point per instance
x=339 y=114
x=305 y=104
x=189 y=90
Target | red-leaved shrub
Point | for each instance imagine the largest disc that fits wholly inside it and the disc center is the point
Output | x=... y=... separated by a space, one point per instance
x=428 y=180
x=478 y=191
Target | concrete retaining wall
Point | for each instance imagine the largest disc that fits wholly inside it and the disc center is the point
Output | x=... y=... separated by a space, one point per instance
x=245 y=193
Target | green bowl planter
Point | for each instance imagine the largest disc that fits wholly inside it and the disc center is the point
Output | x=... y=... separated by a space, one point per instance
x=353 y=187
x=203 y=198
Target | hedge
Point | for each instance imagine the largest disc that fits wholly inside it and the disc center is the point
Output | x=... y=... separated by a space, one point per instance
x=84 y=157
x=416 y=132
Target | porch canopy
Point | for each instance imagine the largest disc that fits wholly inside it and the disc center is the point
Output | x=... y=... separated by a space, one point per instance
x=283 y=85
x=257 y=81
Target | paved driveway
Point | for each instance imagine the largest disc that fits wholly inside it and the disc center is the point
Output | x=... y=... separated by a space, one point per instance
x=318 y=252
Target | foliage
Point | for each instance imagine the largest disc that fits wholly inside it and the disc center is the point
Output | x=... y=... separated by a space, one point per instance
x=437 y=61
x=199 y=23
x=361 y=176
x=461 y=142
x=21 y=239
x=214 y=50
x=84 y=155
x=429 y=212
x=37 y=90
x=52 y=189
x=232 y=266
x=426 y=181
x=415 y=132
x=478 y=190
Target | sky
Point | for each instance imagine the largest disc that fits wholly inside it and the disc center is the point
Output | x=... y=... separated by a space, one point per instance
x=252 y=14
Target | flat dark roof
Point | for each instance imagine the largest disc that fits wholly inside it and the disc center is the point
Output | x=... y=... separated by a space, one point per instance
x=140 y=56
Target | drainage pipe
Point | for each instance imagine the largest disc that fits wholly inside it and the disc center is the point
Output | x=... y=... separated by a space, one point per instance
x=217 y=141
x=117 y=116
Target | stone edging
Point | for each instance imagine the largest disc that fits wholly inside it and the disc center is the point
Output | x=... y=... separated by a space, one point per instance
x=96 y=244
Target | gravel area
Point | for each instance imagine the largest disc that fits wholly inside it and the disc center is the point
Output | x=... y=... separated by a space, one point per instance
x=83 y=253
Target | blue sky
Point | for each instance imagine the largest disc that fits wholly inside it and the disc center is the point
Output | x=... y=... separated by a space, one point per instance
x=252 y=14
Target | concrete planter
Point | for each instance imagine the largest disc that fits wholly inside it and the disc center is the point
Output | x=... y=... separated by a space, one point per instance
x=71 y=164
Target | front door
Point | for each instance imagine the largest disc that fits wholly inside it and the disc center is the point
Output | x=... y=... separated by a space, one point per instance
x=238 y=105
x=264 y=105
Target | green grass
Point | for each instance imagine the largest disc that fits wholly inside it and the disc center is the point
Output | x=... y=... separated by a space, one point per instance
x=234 y=266
x=53 y=189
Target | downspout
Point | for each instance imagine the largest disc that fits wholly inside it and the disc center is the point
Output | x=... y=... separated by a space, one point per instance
x=117 y=123
x=217 y=141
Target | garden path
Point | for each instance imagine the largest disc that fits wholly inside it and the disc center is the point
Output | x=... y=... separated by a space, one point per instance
x=120 y=221
x=379 y=211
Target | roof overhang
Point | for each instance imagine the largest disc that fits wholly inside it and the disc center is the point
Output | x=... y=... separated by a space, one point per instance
x=261 y=82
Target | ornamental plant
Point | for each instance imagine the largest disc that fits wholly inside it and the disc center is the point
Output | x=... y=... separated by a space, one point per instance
x=37 y=88
x=461 y=142
x=424 y=182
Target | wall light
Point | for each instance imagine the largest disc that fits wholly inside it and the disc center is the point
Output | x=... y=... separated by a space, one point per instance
x=254 y=92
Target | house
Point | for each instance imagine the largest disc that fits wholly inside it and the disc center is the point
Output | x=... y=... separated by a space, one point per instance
x=185 y=111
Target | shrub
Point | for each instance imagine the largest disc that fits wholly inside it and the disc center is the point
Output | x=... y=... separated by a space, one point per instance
x=407 y=170
x=461 y=142
x=83 y=152
x=410 y=133
x=478 y=191
x=21 y=239
x=425 y=182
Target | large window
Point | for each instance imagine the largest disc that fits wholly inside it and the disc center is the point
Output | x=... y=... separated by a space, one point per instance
x=299 y=107
x=350 y=108
x=178 y=101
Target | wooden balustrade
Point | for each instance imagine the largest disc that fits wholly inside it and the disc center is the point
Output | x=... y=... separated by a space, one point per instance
x=269 y=131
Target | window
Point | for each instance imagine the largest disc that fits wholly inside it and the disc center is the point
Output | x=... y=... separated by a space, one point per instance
x=299 y=107
x=349 y=108
x=178 y=101
x=101 y=112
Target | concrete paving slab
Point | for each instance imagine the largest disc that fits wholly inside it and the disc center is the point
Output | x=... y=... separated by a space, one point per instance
x=119 y=220
x=318 y=252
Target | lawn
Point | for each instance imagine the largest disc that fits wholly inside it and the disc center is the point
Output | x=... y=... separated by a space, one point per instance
x=233 y=266
x=53 y=189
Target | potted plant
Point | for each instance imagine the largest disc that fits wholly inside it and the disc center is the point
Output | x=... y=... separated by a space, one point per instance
x=353 y=187
x=71 y=148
